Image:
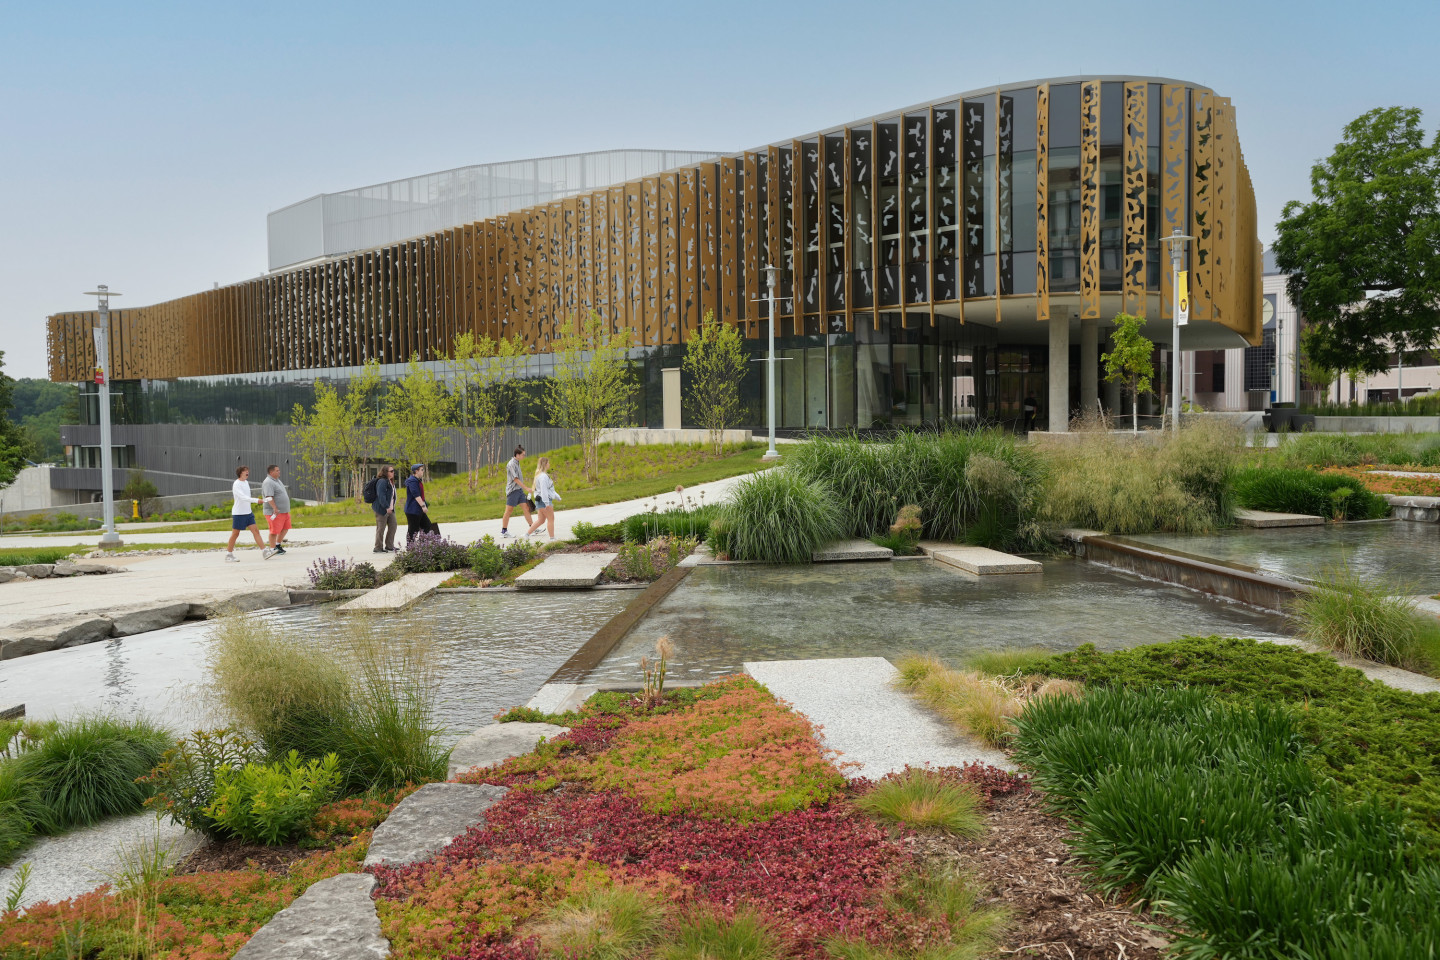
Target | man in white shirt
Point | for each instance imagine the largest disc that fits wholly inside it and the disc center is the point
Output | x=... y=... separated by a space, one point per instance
x=242 y=515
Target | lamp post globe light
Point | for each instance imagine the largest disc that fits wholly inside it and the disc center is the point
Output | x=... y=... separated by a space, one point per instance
x=1177 y=255
x=109 y=539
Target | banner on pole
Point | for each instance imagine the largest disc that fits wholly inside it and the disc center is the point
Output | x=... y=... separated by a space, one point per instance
x=1182 y=300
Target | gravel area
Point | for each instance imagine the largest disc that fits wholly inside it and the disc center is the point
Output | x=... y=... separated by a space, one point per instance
x=78 y=862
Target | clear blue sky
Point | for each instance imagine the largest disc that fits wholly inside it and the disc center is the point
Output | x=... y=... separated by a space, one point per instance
x=142 y=144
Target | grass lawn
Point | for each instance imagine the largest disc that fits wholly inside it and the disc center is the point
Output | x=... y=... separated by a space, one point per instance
x=626 y=473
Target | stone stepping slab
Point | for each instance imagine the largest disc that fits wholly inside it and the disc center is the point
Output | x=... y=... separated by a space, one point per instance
x=425 y=822
x=333 y=920
x=981 y=561
x=566 y=571
x=397 y=595
x=1267 y=518
x=866 y=719
x=843 y=550
x=1425 y=509
x=498 y=742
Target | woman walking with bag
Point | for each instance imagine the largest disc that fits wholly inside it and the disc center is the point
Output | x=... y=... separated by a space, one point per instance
x=545 y=497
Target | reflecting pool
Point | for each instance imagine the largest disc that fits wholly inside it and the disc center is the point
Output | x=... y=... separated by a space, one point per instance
x=721 y=616
x=496 y=650
x=1403 y=554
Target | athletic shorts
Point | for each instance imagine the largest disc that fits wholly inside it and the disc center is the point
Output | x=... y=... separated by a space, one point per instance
x=278 y=522
x=515 y=497
x=242 y=521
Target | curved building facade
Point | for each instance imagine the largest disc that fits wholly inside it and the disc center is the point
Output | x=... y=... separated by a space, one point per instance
x=949 y=260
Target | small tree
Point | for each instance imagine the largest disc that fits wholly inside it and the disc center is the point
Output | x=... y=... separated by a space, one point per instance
x=338 y=431
x=489 y=395
x=417 y=411
x=140 y=487
x=592 y=388
x=1312 y=371
x=715 y=361
x=1130 y=362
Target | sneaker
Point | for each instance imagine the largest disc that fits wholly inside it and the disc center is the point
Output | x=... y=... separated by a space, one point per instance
x=267 y=553
x=231 y=558
x=505 y=533
x=280 y=550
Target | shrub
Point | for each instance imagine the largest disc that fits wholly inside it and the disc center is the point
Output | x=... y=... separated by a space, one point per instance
x=919 y=798
x=904 y=534
x=584 y=532
x=611 y=923
x=1345 y=614
x=1286 y=490
x=184 y=780
x=646 y=561
x=704 y=935
x=520 y=552
x=676 y=522
x=431 y=553
x=487 y=560
x=340 y=573
x=1125 y=484
x=779 y=517
x=86 y=770
x=272 y=803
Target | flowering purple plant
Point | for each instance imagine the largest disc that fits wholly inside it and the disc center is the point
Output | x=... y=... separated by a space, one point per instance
x=340 y=573
x=432 y=553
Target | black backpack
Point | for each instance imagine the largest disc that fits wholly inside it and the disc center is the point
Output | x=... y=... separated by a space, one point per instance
x=369 y=492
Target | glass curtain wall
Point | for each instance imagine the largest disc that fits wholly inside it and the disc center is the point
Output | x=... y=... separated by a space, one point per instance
x=1064 y=185
x=1112 y=186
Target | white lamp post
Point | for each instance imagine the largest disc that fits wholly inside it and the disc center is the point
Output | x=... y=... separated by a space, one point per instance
x=1177 y=256
x=770 y=279
x=109 y=538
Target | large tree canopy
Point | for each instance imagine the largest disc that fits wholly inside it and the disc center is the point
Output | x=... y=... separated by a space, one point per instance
x=1364 y=254
x=15 y=446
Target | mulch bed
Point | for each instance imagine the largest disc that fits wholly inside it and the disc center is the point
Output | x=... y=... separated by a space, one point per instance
x=1024 y=860
x=234 y=855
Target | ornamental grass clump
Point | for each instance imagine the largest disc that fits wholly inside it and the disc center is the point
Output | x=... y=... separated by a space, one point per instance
x=610 y=923
x=904 y=534
x=778 y=516
x=708 y=935
x=1350 y=615
x=1287 y=490
x=923 y=799
x=982 y=705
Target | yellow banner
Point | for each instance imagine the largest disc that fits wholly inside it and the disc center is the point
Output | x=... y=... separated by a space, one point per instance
x=1182 y=290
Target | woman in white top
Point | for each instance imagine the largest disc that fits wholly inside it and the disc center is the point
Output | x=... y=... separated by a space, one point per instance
x=545 y=497
x=242 y=515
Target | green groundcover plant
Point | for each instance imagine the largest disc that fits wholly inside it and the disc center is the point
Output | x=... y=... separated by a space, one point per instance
x=1290 y=490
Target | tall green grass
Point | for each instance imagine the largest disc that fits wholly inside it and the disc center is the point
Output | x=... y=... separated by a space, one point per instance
x=368 y=697
x=1214 y=813
x=777 y=516
x=1355 y=449
x=1349 y=615
x=974 y=486
x=673 y=522
x=86 y=770
x=1292 y=490
x=1127 y=484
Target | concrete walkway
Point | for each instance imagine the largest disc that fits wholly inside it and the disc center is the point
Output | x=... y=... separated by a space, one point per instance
x=197 y=578
x=865 y=719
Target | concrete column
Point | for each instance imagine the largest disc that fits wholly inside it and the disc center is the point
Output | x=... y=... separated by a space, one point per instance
x=1059 y=365
x=1089 y=366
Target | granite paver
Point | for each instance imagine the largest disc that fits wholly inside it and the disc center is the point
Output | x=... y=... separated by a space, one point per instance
x=843 y=550
x=566 y=571
x=426 y=821
x=334 y=919
x=497 y=742
x=981 y=561
x=396 y=595
x=1268 y=518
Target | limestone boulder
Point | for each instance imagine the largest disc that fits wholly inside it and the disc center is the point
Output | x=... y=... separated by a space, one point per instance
x=37 y=570
x=240 y=603
x=53 y=634
x=64 y=568
x=7 y=574
x=425 y=822
x=334 y=919
x=150 y=618
x=498 y=742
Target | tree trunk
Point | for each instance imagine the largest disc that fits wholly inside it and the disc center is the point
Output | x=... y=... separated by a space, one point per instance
x=1134 y=406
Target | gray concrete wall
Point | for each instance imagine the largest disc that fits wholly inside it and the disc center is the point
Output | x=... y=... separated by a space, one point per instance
x=1377 y=424
x=96 y=511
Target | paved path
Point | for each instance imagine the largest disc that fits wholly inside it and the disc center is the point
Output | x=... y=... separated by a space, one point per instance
x=867 y=720
x=193 y=577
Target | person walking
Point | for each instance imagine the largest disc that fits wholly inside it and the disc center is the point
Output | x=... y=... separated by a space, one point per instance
x=242 y=515
x=1030 y=408
x=545 y=497
x=384 y=507
x=516 y=491
x=277 y=508
x=417 y=511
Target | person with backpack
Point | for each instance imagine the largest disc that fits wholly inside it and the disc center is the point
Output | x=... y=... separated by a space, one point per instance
x=380 y=494
x=417 y=511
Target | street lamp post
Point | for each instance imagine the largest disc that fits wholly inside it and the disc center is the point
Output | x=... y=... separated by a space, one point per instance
x=108 y=538
x=1177 y=256
x=770 y=279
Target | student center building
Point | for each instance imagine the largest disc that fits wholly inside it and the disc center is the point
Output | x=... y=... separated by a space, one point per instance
x=942 y=263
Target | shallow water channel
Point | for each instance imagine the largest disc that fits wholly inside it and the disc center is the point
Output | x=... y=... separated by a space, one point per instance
x=496 y=650
x=721 y=616
x=1402 y=555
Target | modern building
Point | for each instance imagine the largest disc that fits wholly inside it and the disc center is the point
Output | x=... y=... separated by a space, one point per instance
x=943 y=262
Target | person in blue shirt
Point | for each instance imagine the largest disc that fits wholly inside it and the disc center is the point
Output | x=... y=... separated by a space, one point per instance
x=384 y=507
x=417 y=512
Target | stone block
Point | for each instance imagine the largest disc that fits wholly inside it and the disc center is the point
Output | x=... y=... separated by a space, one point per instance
x=37 y=570
x=981 y=561
x=1265 y=519
x=240 y=603
x=7 y=574
x=396 y=595
x=151 y=618
x=96 y=568
x=426 y=821
x=843 y=550
x=53 y=634
x=498 y=742
x=566 y=571
x=334 y=919
x=64 y=568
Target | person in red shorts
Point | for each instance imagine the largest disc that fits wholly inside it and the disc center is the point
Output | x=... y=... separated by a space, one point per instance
x=277 y=508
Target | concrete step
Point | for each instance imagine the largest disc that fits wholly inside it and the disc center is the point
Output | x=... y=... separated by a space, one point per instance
x=566 y=571
x=1267 y=518
x=842 y=550
x=397 y=595
x=981 y=561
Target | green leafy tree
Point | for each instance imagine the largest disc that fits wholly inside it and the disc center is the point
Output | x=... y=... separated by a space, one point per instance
x=489 y=395
x=1130 y=362
x=142 y=488
x=417 y=410
x=41 y=407
x=1364 y=254
x=338 y=432
x=592 y=388
x=15 y=444
x=715 y=361
x=1312 y=371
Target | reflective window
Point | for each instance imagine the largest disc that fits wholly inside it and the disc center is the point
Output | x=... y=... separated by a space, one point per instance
x=1064 y=184
x=1112 y=186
